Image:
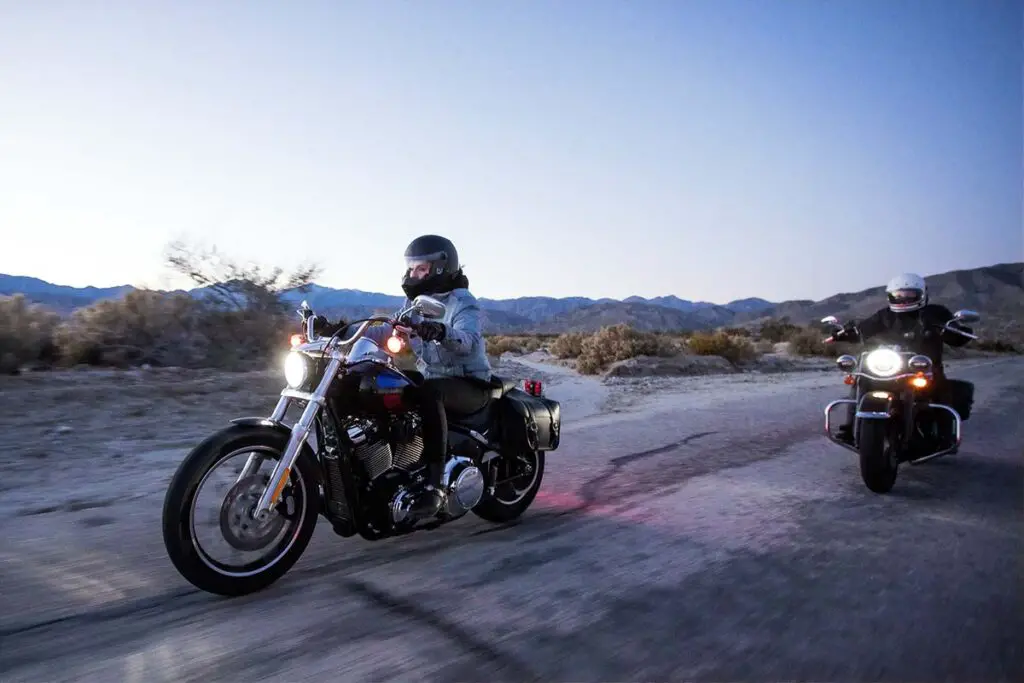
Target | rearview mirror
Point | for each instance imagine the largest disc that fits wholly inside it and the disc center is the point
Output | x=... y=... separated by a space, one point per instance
x=428 y=306
x=304 y=310
x=966 y=316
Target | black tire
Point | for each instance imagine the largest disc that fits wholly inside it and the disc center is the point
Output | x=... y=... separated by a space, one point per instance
x=181 y=493
x=877 y=468
x=494 y=509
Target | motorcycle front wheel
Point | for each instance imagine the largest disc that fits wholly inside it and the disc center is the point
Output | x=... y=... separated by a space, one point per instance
x=261 y=552
x=878 y=467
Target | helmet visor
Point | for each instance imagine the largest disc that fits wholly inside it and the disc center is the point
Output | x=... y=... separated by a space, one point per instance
x=423 y=266
x=900 y=299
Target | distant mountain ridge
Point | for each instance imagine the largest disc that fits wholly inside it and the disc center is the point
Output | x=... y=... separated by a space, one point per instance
x=995 y=291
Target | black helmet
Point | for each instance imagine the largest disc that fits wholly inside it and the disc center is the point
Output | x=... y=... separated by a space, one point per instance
x=437 y=262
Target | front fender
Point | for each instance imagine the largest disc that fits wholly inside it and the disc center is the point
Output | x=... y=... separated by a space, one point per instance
x=277 y=425
x=876 y=405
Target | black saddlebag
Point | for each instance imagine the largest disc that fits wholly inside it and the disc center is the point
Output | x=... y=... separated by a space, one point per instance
x=530 y=422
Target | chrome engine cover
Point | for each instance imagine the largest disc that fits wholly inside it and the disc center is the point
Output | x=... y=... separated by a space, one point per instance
x=464 y=484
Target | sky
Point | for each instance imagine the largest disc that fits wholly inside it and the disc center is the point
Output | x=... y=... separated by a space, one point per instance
x=711 y=149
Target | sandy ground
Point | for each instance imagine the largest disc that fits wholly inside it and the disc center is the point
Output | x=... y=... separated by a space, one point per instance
x=687 y=529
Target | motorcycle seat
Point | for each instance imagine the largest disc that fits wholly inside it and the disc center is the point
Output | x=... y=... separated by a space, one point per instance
x=500 y=386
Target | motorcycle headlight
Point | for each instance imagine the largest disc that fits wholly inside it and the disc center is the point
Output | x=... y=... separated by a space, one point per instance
x=296 y=369
x=883 y=362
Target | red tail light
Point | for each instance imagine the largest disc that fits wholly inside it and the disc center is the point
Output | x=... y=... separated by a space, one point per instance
x=533 y=387
x=296 y=339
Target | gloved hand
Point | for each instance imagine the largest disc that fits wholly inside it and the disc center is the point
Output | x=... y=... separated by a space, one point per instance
x=845 y=332
x=431 y=330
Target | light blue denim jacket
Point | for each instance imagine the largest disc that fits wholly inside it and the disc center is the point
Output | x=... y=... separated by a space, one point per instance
x=463 y=351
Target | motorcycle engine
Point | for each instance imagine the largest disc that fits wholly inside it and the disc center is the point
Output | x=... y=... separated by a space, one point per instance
x=390 y=453
x=396 y=444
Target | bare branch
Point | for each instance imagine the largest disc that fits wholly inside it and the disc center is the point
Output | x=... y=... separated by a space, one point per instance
x=243 y=288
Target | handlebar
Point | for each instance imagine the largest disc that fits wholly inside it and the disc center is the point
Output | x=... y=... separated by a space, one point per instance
x=944 y=326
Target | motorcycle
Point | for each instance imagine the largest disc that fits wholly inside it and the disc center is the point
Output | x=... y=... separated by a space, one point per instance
x=896 y=420
x=353 y=456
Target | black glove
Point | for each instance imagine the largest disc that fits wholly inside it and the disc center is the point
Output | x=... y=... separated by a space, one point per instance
x=845 y=332
x=324 y=327
x=431 y=330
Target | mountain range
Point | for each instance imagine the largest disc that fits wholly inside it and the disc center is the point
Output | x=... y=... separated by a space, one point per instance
x=996 y=291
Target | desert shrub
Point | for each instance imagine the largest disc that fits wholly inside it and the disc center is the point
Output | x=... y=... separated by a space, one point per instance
x=996 y=345
x=733 y=349
x=144 y=326
x=620 y=342
x=26 y=332
x=499 y=344
x=809 y=341
x=237 y=320
x=162 y=328
x=778 y=330
x=569 y=345
x=737 y=331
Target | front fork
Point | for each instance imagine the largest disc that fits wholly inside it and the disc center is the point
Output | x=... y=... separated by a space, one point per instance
x=301 y=429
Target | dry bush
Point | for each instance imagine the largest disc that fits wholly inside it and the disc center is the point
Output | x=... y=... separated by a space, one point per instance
x=809 y=341
x=621 y=342
x=778 y=330
x=733 y=349
x=569 y=345
x=238 y=322
x=26 y=333
x=143 y=327
x=996 y=345
x=499 y=344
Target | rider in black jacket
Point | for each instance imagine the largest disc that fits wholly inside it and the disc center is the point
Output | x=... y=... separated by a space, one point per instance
x=909 y=320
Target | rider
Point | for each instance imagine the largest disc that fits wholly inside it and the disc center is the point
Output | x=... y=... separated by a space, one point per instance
x=908 y=316
x=452 y=355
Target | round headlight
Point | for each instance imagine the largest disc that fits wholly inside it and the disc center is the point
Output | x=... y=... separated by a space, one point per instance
x=883 y=362
x=295 y=369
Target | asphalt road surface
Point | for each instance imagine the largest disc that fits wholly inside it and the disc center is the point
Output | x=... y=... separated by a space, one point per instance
x=714 y=540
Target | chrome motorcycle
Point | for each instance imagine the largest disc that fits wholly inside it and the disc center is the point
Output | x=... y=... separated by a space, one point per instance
x=354 y=456
x=897 y=419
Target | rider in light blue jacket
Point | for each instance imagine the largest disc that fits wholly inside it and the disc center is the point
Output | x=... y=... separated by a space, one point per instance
x=451 y=351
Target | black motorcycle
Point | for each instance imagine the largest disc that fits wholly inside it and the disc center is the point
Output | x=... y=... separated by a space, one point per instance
x=354 y=455
x=897 y=418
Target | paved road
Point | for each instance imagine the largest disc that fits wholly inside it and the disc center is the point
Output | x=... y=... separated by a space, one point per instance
x=717 y=540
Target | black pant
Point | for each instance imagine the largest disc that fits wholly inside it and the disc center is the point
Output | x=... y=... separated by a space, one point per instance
x=439 y=396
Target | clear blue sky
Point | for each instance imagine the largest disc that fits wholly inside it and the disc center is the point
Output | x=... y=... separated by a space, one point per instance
x=712 y=149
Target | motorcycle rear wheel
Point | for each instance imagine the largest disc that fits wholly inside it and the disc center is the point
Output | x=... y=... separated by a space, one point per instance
x=511 y=499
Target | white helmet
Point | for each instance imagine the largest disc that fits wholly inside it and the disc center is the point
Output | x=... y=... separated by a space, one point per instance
x=906 y=292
